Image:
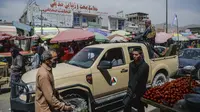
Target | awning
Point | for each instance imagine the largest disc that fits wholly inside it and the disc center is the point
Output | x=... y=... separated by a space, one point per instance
x=8 y=30
x=22 y=26
x=49 y=30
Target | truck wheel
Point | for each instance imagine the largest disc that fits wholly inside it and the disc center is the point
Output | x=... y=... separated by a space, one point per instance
x=81 y=104
x=159 y=79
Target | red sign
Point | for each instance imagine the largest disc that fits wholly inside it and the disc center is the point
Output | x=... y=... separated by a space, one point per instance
x=72 y=6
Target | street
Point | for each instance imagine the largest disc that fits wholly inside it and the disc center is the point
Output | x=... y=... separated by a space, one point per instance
x=5 y=103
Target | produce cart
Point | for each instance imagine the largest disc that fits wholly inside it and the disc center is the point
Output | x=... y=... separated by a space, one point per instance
x=170 y=97
x=180 y=106
x=3 y=74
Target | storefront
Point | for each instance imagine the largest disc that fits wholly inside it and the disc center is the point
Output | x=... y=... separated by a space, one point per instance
x=116 y=23
x=61 y=14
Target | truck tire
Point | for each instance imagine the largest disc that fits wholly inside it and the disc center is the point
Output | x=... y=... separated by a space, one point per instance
x=81 y=104
x=159 y=79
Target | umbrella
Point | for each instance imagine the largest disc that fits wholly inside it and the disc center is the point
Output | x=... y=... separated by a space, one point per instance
x=181 y=38
x=4 y=36
x=72 y=35
x=162 y=37
x=47 y=37
x=100 y=38
x=98 y=31
x=118 y=38
x=192 y=37
x=176 y=35
x=186 y=34
x=105 y=30
x=121 y=32
x=35 y=36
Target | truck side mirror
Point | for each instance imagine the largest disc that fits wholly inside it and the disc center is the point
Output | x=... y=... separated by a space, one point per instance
x=105 y=65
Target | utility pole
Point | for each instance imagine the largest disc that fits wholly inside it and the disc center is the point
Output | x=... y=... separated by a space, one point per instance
x=166 y=16
x=41 y=23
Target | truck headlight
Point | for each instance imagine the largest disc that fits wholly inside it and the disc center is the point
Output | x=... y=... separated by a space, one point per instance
x=23 y=97
x=31 y=87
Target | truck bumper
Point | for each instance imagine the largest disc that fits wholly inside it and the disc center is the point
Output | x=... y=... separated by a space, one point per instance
x=19 y=105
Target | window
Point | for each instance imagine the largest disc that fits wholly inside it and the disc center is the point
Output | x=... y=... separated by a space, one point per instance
x=86 y=57
x=116 y=56
x=76 y=20
x=131 y=49
x=84 y=20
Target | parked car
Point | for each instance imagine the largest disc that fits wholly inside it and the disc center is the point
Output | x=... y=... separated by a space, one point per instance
x=189 y=57
x=90 y=80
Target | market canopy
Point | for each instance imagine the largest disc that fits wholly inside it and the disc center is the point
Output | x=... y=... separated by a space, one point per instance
x=100 y=38
x=22 y=26
x=192 y=37
x=121 y=32
x=47 y=37
x=186 y=34
x=181 y=38
x=11 y=30
x=4 y=36
x=177 y=35
x=49 y=30
x=96 y=30
x=72 y=35
x=117 y=38
x=162 y=37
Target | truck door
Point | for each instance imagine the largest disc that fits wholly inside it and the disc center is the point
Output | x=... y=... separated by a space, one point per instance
x=113 y=80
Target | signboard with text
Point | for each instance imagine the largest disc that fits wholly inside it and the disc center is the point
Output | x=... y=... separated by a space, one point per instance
x=75 y=7
x=51 y=17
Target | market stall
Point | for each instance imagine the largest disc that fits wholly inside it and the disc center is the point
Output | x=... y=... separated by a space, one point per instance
x=171 y=97
x=72 y=35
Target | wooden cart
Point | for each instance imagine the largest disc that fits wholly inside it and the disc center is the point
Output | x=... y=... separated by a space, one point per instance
x=3 y=74
x=180 y=106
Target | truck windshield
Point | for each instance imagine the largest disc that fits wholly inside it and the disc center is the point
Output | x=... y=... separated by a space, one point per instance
x=86 y=57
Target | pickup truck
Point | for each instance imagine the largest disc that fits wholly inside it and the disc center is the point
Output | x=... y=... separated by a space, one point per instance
x=91 y=79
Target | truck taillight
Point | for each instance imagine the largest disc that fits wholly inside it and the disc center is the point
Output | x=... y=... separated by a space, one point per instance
x=89 y=78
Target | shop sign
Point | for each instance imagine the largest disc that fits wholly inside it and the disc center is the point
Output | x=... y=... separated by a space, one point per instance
x=75 y=7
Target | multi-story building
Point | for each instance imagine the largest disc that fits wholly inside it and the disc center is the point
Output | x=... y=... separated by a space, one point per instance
x=138 y=19
x=116 y=23
x=61 y=14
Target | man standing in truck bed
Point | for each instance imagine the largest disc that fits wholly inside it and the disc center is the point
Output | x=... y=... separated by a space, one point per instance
x=149 y=33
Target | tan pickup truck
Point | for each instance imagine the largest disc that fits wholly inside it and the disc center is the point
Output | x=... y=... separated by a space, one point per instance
x=98 y=74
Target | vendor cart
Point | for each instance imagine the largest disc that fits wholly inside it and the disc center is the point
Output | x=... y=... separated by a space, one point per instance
x=180 y=106
x=3 y=74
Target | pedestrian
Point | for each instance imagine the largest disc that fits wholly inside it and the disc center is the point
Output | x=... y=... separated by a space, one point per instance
x=46 y=99
x=40 y=50
x=18 y=65
x=138 y=75
x=46 y=47
x=149 y=33
x=35 y=62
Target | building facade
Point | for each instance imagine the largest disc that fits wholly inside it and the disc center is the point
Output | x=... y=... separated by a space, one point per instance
x=61 y=14
x=116 y=23
x=138 y=19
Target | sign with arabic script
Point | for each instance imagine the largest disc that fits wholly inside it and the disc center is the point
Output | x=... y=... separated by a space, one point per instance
x=75 y=7
x=51 y=17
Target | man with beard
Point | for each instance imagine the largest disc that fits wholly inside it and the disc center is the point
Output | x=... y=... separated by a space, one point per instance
x=138 y=75
x=46 y=99
x=149 y=33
